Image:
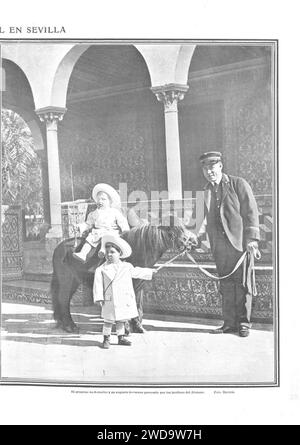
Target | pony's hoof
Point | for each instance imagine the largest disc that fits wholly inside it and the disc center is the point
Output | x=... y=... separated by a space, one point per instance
x=75 y=329
x=71 y=329
x=138 y=329
x=58 y=325
x=68 y=329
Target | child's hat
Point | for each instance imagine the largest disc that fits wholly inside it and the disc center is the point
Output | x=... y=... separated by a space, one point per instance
x=110 y=191
x=117 y=241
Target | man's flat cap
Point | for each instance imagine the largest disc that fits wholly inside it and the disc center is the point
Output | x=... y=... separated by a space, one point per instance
x=211 y=156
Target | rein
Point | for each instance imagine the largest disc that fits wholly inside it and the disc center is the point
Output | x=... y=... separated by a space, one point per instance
x=251 y=255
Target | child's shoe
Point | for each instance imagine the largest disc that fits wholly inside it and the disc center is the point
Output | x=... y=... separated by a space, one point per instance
x=106 y=342
x=86 y=248
x=123 y=341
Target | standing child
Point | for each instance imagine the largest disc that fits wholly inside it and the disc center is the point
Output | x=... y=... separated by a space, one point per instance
x=113 y=287
x=107 y=218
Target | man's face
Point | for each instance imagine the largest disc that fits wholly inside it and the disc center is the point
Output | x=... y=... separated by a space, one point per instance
x=212 y=171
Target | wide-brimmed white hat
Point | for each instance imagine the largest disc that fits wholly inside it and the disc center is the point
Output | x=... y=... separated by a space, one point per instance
x=117 y=241
x=110 y=191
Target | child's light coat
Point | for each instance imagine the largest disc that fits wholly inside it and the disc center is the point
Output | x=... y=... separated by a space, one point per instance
x=113 y=285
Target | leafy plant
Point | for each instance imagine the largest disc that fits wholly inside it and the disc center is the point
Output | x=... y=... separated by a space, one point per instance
x=19 y=161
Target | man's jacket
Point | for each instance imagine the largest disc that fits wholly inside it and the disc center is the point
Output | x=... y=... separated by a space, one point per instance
x=238 y=212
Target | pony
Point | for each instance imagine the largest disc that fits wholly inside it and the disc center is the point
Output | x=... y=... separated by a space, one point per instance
x=148 y=243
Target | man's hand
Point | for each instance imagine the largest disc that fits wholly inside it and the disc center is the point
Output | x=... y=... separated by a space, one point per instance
x=199 y=239
x=252 y=247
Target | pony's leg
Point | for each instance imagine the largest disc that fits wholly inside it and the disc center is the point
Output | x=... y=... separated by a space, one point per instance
x=66 y=292
x=136 y=323
x=139 y=303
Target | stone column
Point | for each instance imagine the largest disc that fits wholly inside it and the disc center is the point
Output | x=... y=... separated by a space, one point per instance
x=51 y=116
x=170 y=95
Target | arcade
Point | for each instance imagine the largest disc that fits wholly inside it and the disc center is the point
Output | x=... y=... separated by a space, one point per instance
x=140 y=115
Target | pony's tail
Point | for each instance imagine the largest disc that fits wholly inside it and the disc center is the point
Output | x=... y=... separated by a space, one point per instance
x=54 y=288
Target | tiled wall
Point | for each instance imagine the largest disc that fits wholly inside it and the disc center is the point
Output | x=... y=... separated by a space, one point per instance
x=12 y=243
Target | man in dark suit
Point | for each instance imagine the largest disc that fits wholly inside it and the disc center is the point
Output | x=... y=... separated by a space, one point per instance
x=231 y=221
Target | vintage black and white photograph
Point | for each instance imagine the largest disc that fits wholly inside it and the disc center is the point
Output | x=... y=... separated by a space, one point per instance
x=139 y=212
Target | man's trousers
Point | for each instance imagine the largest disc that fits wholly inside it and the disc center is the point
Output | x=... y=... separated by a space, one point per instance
x=236 y=302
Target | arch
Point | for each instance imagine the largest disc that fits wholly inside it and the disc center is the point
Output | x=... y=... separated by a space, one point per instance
x=21 y=101
x=46 y=59
x=167 y=64
x=63 y=74
x=108 y=70
x=111 y=110
x=65 y=69
x=11 y=68
x=18 y=57
x=183 y=63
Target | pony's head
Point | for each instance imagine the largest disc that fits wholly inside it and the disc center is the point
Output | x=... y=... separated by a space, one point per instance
x=176 y=235
x=149 y=242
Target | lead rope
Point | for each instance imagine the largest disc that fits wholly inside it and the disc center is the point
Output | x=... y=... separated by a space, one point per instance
x=171 y=260
x=254 y=253
x=216 y=277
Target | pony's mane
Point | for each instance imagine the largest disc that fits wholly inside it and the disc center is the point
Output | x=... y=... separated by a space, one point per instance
x=148 y=242
x=145 y=237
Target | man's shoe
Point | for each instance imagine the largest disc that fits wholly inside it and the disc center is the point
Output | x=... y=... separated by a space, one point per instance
x=224 y=330
x=123 y=341
x=244 y=331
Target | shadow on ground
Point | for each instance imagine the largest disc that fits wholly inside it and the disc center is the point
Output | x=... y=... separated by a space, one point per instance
x=39 y=327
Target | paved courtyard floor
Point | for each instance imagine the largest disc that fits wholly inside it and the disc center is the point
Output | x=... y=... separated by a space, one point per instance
x=172 y=351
